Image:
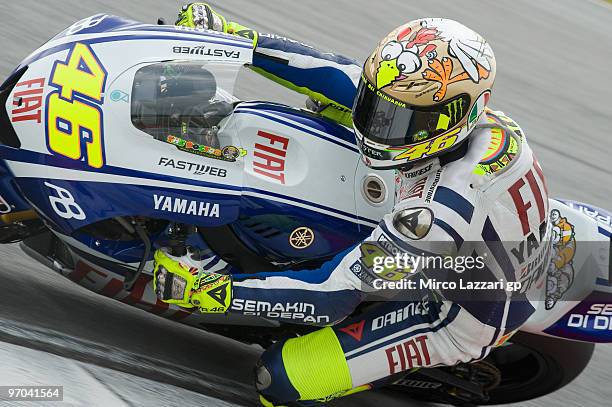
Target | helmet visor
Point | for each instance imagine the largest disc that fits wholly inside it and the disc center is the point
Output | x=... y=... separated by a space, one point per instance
x=390 y=122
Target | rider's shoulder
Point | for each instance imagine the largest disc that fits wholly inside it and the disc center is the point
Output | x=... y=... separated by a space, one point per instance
x=498 y=116
x=502 y=143
x=436 y=206
x=420 y=225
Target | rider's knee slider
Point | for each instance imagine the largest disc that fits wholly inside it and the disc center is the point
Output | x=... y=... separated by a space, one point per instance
x=271 y=378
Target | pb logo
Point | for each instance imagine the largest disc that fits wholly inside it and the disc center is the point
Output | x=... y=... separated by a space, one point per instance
x=85 y=23
x=64 y=205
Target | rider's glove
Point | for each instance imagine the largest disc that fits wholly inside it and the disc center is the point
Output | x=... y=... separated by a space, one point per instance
x=201 y=15
x=182 y=281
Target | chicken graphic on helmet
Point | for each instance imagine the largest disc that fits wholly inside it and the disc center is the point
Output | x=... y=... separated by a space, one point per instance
x=438 y=51
x=402 y=57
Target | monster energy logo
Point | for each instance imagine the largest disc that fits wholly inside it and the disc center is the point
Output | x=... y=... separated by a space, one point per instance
x=455 y=110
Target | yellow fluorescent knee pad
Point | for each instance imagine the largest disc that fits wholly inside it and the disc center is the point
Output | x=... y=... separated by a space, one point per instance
x=315 y=365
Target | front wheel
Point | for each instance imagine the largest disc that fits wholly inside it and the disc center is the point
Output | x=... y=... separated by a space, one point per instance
x=526 y=367
x=534 y=365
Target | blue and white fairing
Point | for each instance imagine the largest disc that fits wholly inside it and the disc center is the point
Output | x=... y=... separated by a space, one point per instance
x=292 y=170
x=581 y=279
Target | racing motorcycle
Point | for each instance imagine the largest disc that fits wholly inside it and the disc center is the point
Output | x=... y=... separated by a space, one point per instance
x=118 y=137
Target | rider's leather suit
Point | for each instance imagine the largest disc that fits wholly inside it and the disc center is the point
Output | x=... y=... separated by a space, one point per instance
x=488 y=196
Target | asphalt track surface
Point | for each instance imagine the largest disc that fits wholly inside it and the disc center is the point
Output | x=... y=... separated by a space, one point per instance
x=554 y=62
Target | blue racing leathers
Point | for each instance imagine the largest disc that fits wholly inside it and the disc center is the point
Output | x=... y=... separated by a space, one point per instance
x=329 y=79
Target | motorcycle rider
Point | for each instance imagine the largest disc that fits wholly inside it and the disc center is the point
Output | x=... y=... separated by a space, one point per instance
x=463 y=174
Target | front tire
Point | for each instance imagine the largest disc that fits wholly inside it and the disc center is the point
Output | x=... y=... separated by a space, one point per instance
x=526 y=367
x=534 y=365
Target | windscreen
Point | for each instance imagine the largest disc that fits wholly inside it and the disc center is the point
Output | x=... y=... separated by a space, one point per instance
x=183 y=99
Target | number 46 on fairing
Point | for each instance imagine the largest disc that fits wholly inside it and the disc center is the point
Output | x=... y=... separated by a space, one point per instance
x=74 y=117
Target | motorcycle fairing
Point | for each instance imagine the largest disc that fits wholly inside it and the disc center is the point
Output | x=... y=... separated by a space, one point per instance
x=586 y=274
x=316 y=191
x=104 y=28
x=262 y=212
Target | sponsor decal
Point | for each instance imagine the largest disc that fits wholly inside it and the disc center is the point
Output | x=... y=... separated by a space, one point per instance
x=371 y=152
x=301 y=237
x=354 y=330
x=421 y=135
x=416 y=173
x=269 y=154
x=111 y=285
x=455 y=111
x=338 y=107
x=417 y=384
x=185 y=206
x=402 y=314
x=384 y=96
x=205 y=50
x=85 y=23
x=219 y=294
x=28 y=101
x=529 y=246
x=560 y=276
x=414 y=223
x=363 y=273
x=409 y=354
x=434 y=186
x=592 y=213
x=427 y=148
x=119 y=96
x=74 y=116
x=63 y=203
x=227 y=153
x=523 y=206
x=526 y=199
x=302 y=311
x=389 y=246
x=414 y=190
x=193 y=168
x=371 y=252
x=598 y=317
x=535 y=269
x=215 y=286
x=231 y=153
x=247 y=33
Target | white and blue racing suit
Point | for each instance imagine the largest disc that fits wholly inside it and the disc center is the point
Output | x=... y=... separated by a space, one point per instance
x=490 y=191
